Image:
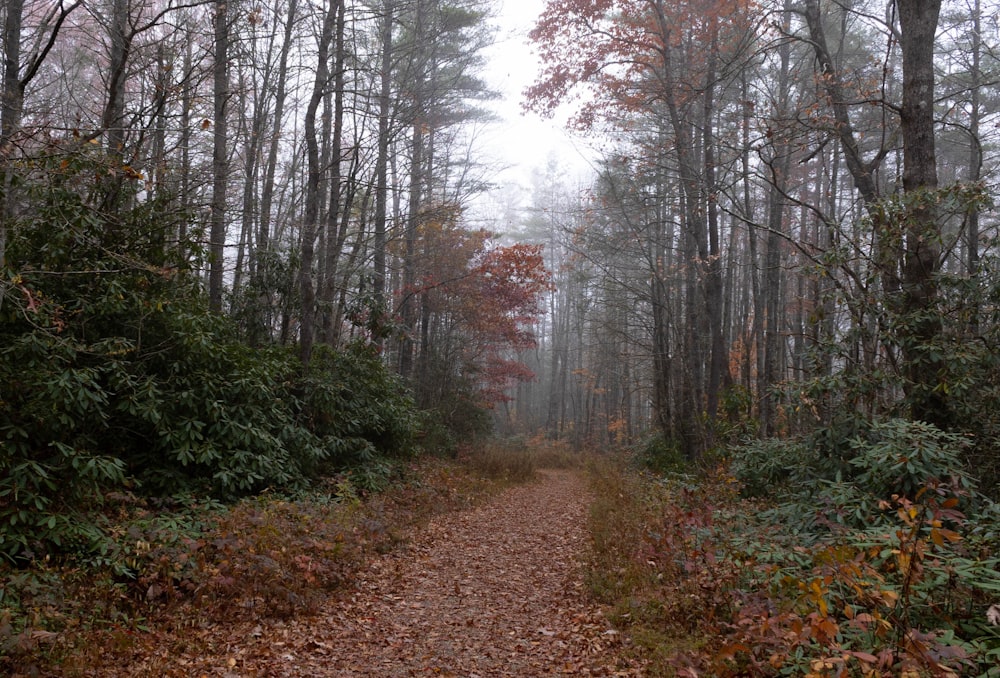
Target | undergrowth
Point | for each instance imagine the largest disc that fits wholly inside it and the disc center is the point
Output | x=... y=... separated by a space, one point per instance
x=664 y=604
x=516 y=459
x=887 y=568
x=184 y=564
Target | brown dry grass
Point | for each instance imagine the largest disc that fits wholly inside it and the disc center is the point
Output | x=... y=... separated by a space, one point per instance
x=517 y=460
x=626 y=507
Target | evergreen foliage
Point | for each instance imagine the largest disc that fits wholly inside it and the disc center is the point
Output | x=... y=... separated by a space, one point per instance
x=113 y=375
x=878 y=542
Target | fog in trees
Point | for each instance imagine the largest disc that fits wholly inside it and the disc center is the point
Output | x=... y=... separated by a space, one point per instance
x=788 y=230
x=789 y=219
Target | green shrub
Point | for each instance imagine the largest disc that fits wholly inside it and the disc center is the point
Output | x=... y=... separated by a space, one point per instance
x=115 y=376
x=882 y=457
x=899 y=457
x=356 y=404
x=877 y=552
x=660 y=455
x=770 y=467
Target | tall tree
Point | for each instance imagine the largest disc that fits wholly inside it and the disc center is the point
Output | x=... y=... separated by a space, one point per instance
x=918 y=20
x=10 y=110
x=313 y=199
x=337 y=214
x=382 y=160
x=417 y=75
x=274 y=137
x=220 y=156
x=975 y=144
x=778 y=161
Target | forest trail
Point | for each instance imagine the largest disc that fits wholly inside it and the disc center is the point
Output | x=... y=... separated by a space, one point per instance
x=493 y=591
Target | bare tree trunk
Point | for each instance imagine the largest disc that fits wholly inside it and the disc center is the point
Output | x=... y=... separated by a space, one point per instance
x=660 y=302
x=382 y=159
x=13 y=91
x=418 y=175
x=352 y=185
x=112 y=121
x=336 y=227
x=12 y=96
x=780 y=163
x=754 y=350
x=10 y=113
x=113 y=116
x=159 y=150
x=918 y=21
x=307 y=290
x=975 y=158
x=773 y=316
x=220 y=158
x=661 y=355
x=185 y=143
x=408 y=311
x=251 y=131
x=267 y=189
x=713 y=266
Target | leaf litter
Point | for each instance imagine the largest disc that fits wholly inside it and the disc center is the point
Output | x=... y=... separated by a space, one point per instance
x=492 y=591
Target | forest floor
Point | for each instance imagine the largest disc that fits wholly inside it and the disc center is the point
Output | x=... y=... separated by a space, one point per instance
x=493 y=590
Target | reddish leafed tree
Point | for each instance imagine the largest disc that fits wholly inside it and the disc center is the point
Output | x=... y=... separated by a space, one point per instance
x=478 y=303
x=614 y=56
x=508 y=283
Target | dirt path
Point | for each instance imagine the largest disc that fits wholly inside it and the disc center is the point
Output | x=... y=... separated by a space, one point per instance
x=491 y=592
x=495 y=591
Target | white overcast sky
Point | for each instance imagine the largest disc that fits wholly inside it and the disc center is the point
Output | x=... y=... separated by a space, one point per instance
x=523 y=142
